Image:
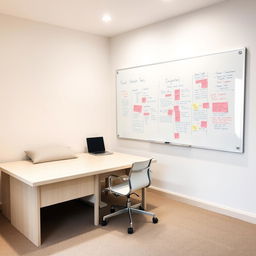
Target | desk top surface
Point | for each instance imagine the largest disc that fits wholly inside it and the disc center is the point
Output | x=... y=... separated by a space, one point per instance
x=84 y=165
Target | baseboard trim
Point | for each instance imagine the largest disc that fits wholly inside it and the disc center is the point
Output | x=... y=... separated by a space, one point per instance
x=235 y=213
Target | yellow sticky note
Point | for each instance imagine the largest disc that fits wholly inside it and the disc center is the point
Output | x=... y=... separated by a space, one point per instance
x=194 y=127
x=195 y=106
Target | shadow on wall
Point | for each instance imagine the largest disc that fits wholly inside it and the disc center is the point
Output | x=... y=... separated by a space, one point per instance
x=142 y=147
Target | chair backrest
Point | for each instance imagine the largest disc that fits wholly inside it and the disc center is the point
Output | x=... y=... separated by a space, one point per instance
x=139 y=176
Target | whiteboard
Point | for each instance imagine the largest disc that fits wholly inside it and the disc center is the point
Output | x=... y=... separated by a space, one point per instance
x=196 y=102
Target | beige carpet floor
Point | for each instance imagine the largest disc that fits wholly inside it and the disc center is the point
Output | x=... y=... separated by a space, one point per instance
x=183 y=230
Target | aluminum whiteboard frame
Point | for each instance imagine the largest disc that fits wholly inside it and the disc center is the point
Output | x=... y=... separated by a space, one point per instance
x=242 y=135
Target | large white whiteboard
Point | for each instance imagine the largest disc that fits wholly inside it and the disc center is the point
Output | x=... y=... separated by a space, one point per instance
x=196 y=102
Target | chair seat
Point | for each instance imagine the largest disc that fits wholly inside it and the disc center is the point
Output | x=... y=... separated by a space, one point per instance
x=122 y=188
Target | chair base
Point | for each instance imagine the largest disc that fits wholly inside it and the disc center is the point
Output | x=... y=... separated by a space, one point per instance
x=128 y=209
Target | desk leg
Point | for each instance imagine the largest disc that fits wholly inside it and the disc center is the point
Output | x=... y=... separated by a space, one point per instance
x=25 y=210
x=5 y=186
x=97 y=200
x=144 y=199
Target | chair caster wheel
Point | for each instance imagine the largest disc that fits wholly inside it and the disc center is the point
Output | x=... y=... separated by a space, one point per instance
x=130 y=230
x=104 y=223
x=154 y=220
x=112 y=210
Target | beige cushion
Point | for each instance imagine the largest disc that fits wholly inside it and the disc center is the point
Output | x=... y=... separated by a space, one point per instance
x=50 y=153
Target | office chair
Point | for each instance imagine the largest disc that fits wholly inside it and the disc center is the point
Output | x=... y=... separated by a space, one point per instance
x=139 y=177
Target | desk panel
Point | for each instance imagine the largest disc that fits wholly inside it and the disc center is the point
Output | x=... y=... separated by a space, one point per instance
x=66 y=190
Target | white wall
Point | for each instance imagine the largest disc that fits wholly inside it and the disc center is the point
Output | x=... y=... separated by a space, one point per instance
x=219 y=178
x=54 y=86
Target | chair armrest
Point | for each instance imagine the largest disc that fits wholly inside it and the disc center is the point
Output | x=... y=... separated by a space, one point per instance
x=112 y=178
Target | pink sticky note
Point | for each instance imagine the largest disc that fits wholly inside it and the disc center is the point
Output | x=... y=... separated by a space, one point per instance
x=143 y=100
x=176 y=108
x=170 y=112
x=206 y=105
x=168 y=95
x=203 y=82
x=137 y=108
x=176 y=135
x=220 y=107
x=177 y=116
x=146 y=114
x=204 y=124
x=177 y=94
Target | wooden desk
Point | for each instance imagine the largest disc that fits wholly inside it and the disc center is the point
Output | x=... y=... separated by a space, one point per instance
x=27 y=187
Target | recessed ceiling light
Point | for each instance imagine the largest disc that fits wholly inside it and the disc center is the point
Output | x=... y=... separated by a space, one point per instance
x=106 y=18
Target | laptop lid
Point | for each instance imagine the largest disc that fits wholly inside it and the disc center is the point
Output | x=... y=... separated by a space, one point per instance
x=95 y=145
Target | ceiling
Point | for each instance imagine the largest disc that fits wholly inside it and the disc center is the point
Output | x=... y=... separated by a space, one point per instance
x=85 y=15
